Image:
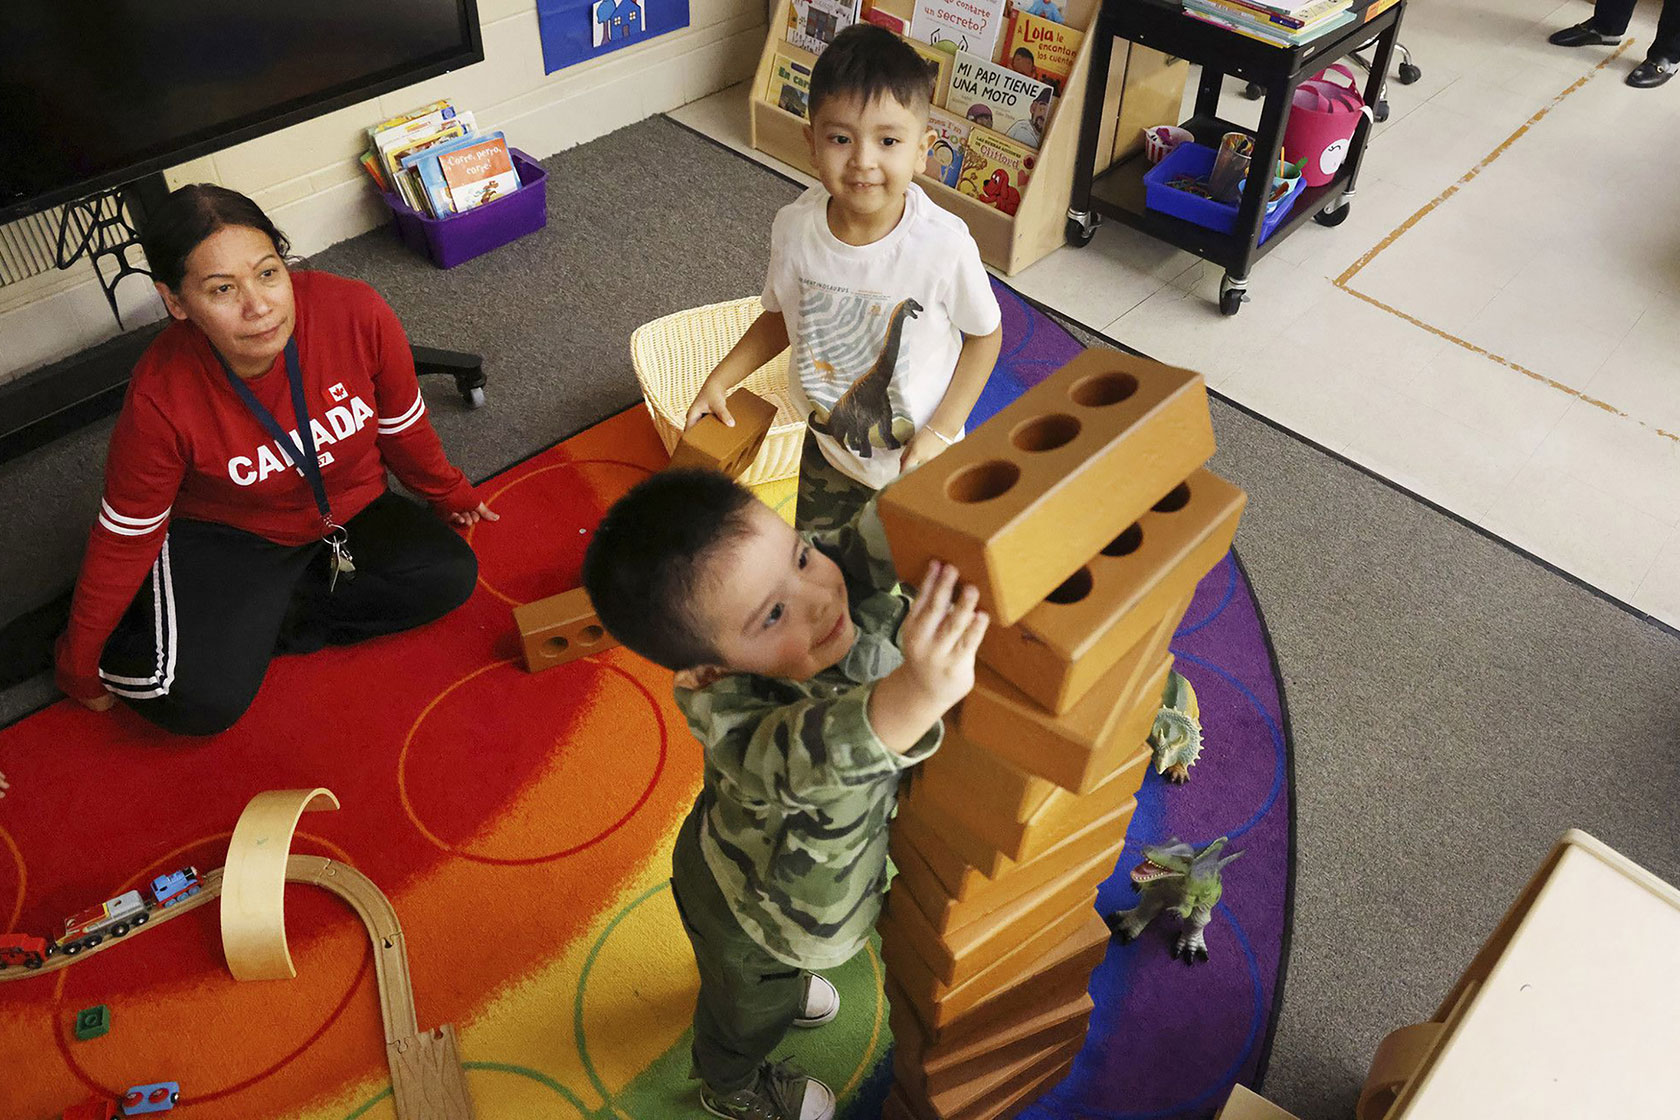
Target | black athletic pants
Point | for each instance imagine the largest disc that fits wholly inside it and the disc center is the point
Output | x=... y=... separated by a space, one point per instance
x=219 y=603
x=1611 y=17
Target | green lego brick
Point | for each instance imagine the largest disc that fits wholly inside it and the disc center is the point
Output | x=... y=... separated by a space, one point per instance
x=91 y=1022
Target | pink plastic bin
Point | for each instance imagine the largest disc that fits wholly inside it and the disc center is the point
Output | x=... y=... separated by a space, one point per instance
x=449 y=241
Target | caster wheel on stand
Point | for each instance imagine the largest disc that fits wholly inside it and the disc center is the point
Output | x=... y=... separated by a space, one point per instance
x=1080 y=230
x=1254 y=91
x=1232 y=293
x=474 y=397
x=1333 y=218
x=1380 y=113
x=1408 y=74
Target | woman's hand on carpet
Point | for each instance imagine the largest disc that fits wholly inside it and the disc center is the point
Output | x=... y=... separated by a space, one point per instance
x=473 y=516
x=98 y=703
x=4 y=785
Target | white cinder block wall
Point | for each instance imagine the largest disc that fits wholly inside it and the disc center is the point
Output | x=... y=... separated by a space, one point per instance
x=306 y=177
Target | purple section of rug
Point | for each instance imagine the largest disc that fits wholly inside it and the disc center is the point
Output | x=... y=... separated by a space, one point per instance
x=1168 y=1040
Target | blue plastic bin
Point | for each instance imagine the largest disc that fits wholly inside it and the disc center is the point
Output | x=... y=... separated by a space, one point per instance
x=461 y=237
x=1221 y=217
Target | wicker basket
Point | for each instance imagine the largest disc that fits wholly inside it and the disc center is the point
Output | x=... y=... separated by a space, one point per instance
x=672 y=357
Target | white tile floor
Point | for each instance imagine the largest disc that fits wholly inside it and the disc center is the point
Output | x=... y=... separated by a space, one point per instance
x=1514 y=356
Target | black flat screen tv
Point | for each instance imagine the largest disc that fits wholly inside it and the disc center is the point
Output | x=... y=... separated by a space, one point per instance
x=99 y=93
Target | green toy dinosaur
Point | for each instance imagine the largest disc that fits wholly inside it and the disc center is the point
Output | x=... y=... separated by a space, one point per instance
x=1176 y=736
x=1175 y=876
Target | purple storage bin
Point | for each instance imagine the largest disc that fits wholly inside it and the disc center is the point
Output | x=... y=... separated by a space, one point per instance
x=1197 y=160
x=461 y=237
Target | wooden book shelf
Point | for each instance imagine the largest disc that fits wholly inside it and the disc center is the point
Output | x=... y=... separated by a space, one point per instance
x=1007 y=243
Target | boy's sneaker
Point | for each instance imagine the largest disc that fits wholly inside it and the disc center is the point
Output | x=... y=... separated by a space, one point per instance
x=1652 y=72
x=822 y=1002
x=782 y=1093
x=1583 y=34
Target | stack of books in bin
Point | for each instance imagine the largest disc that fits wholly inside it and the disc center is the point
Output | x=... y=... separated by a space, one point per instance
x=456 y=192
x=1280 y=23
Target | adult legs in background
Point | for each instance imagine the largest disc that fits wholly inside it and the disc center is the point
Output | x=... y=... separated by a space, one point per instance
x=411 y=568
x=1609 y=22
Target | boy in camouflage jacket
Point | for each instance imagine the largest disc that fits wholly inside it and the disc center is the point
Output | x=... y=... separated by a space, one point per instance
x=812 y=680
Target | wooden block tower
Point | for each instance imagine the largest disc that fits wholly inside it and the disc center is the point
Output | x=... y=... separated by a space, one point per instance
x=1085 y=516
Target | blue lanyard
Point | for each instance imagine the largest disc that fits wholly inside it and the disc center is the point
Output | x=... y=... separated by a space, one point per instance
x=302 y=457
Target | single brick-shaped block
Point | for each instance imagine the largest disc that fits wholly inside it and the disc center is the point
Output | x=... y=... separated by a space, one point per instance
x=92 y=1022
x=994 y=1075
x=1069 y=642
x=1076 y=749
x=946 y=912
x=937 y=1003
x=955 y=955
x=712 y=443
x=934 y=1069
x=1040 y=488
x=1062 y=973
x=559 y=629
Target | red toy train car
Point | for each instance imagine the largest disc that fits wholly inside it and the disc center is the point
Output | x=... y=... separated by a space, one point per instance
x=20 y=948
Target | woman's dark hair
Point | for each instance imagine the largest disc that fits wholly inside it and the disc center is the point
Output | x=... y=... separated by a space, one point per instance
x=181 y=222
x=869 y=61
x=646 y=560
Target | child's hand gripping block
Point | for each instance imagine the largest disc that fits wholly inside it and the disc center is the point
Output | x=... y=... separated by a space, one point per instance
x=1068 y=643
x=559 y=629
x=712 y=443
x=1041 y=487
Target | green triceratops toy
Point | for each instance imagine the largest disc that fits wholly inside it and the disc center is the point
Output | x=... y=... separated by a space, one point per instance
x=1175 y=876
x=1176 y=736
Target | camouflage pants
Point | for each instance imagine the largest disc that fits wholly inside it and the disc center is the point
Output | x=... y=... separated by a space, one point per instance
x=828 y=498
x=748 y=999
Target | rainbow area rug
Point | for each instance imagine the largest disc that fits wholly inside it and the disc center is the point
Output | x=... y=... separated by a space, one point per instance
x=521 y=826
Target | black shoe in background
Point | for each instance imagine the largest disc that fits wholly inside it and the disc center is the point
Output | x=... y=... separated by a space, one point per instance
x=1652 y=72
x=1583 y=35
x=26 y=642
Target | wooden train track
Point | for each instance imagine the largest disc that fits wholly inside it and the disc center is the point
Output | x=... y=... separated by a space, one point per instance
x=427 y=1080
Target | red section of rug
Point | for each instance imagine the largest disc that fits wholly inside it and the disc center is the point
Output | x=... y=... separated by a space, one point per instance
x=469 y=795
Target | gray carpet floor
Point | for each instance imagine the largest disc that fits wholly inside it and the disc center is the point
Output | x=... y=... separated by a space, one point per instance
x=1455 y=705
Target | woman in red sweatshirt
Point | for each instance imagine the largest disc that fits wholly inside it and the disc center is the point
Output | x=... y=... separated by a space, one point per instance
x=215 y=548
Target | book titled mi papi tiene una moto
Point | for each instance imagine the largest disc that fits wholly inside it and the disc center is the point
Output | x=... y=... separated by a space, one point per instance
x=1000 y=99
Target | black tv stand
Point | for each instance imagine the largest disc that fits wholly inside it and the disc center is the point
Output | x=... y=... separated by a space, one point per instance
x=61 y=398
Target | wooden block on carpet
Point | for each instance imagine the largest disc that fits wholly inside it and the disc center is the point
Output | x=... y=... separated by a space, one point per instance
x=1246 y=1104
x=1060 y=817
x=993 y=1093
x=946 y=913
x=714 y=444
x=1067 y=644
x=1062 y=974
x=1036 y=491
x=929 y=1071
x=937 y=1003
x=955 y=955
x=1075 y=749
x=559 y=629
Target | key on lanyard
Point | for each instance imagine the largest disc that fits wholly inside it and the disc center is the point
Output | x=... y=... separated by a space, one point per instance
x=340 y=562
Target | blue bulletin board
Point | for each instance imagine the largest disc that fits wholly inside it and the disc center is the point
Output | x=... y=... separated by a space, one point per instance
x=575 y=31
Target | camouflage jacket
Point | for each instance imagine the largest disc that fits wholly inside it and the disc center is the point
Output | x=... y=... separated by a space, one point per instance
x=797 y=788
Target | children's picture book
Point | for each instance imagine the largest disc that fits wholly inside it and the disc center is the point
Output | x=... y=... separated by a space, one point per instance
x=996 y=169
x=789 y=85
x=424 y=168
x=391 y=144
x=402 y=174
x=1000 y=99
x=479 y=173
x=1043 y=9
x=1042 y=49
x=880 y=18
x=939 y=68
x=945 y=154
x=813 y=24
x=975 y=26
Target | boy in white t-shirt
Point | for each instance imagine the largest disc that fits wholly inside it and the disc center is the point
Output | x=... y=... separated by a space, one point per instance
x=880 y=293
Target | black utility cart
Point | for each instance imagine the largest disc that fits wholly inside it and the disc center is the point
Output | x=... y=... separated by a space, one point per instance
x=1162 y=25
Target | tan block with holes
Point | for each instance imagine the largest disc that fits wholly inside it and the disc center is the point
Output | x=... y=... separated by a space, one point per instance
x=559 y=629
x=1040 y=488
x=712 y=443
x=1075 y=750
x=1068 y=643
x=937 y=1003
x=1104 y=837
x=951 y=1093
x=935 y=1069
x=955 y=955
